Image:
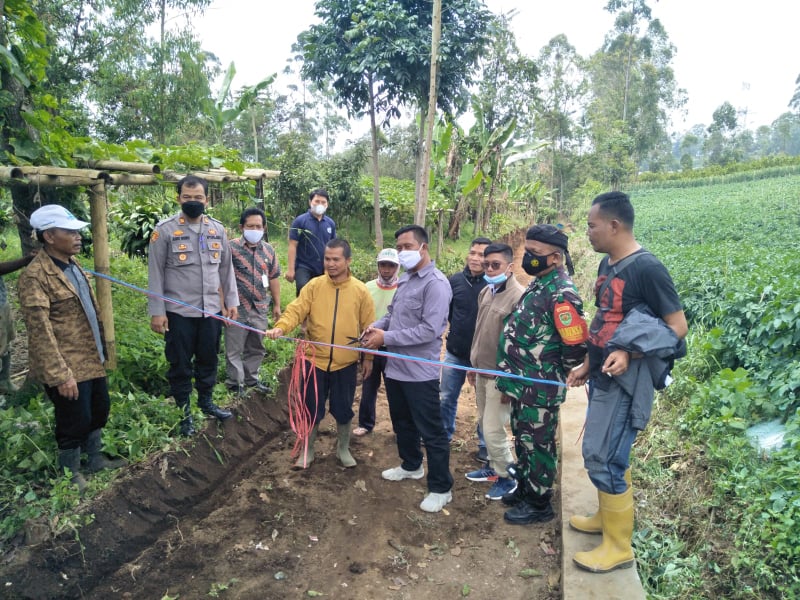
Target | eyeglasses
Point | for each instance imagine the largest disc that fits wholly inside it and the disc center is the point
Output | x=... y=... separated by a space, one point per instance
x=494 y=265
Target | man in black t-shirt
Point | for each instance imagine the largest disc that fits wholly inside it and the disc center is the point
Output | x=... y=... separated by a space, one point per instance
x=629 y=277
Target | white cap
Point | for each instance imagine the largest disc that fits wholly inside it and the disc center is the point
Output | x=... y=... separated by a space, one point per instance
x=388 y=255
x=53 y=215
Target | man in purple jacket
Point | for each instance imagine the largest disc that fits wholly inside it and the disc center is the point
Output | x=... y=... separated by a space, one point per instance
x=414 y=325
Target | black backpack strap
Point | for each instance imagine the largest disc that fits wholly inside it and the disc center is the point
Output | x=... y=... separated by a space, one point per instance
x=618 y=268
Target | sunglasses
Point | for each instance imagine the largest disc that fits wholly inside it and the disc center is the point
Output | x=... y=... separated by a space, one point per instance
x=494 y=265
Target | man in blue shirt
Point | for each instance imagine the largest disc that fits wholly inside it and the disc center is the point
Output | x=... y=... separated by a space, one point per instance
x=414 y=325
x=307 y=238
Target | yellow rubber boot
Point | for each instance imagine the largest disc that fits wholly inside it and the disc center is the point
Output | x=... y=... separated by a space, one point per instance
x=305 y=459
x=615 y=551
x=593 y=523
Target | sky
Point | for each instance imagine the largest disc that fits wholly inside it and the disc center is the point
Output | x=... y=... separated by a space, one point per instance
x=744 y=53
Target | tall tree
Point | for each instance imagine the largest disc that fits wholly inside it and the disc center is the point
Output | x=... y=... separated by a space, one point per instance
x=564 y=89
x=376 y=56
x=634 y=88
x=720 y=145
x=795 y=101
x=507 y=87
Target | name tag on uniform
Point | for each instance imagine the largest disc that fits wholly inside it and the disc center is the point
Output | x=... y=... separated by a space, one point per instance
x=265 y=280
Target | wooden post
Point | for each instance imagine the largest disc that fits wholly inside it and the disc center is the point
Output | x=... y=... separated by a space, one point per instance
x=102 y=264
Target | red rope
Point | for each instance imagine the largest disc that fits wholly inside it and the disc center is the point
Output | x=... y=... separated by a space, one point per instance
x=300 y=419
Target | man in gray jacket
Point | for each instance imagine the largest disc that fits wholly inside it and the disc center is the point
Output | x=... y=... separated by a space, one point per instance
x=494 y=304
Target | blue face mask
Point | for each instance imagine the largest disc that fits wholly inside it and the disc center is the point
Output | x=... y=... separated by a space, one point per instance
x=496 y=280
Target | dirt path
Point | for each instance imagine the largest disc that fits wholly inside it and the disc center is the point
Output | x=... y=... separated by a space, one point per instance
x=230 y=517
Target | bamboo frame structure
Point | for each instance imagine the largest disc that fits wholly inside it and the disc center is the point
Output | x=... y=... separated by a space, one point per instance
x=96 y=177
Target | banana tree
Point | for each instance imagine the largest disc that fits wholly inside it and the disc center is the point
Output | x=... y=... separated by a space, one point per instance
x=218 y=116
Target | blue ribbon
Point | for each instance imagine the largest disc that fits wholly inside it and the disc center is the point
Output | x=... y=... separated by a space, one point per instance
x=226 y=320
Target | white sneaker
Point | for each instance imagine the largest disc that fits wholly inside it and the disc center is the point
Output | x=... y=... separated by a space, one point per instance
x=399 y=473
x=434 y=502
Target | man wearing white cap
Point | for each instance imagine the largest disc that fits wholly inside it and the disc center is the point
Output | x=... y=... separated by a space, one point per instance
x=382 y=290
x=61 y=315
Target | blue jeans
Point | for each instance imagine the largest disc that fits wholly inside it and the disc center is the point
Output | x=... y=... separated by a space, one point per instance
x=610 y=477
x=451 y=382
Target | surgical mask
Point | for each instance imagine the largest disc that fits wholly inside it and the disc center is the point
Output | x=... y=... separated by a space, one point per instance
x=193 y=208
x=409 y=258
x=319 y=209
x=533 y=264
x=253 y=236
x=496 y=280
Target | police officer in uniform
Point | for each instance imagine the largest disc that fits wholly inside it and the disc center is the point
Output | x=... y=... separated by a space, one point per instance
x=190 y=261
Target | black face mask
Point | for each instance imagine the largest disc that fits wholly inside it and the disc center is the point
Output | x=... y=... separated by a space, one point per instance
x=193 y=208
x=533 y=264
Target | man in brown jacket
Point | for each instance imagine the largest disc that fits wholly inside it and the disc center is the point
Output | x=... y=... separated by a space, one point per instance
x=494 y=304
x=65 y=340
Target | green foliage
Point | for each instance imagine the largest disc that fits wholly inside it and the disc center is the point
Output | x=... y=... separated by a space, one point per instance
x=398 y=199
x=135 y=215
x=763 y=168
x=731 y=249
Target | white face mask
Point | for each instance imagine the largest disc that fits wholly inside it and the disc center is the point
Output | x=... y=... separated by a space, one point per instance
x=409 y=258
x=253 y=236
x=319 y=209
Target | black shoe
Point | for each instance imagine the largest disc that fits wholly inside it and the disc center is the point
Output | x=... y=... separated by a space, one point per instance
x=531 y=510
x=482 y=455
x=187 y=427
x=260 y=387
x=212 y=410
x=515 y=497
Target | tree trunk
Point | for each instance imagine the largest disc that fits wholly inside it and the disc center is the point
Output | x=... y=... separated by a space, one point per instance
x=255 y=136
x=422 y=199
x=420 y=144
x=376 y=191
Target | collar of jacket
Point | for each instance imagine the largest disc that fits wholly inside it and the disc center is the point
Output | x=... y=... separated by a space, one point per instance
x=471 y=279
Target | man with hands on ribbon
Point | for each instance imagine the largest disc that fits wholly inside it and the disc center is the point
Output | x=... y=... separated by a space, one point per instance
x=336 y=308
x=414 y=325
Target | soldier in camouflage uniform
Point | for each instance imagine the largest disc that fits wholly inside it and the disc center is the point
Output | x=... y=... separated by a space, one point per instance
x=544 y=337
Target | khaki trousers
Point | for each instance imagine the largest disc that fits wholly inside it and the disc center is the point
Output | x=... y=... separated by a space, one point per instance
x=494 y=417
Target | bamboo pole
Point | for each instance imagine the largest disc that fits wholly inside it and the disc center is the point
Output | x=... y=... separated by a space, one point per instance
x=57 y=181
x=63 y=172
x=102 y=264
x=211 y=177
x=120 y=165
x=132 y=179
x=7 y=173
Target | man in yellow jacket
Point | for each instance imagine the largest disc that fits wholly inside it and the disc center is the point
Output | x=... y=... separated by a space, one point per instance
x=337 y=308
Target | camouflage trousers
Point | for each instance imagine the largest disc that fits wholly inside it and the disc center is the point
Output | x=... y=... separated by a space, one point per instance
x=535 y=429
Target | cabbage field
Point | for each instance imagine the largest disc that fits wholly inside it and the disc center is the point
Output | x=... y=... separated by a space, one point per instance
x=721 y=517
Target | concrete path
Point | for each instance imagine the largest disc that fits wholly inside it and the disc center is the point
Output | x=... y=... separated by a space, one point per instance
x=579 y=496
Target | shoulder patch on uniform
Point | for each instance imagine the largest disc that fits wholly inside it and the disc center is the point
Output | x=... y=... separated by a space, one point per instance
x=570 y=325
x=154 y=237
